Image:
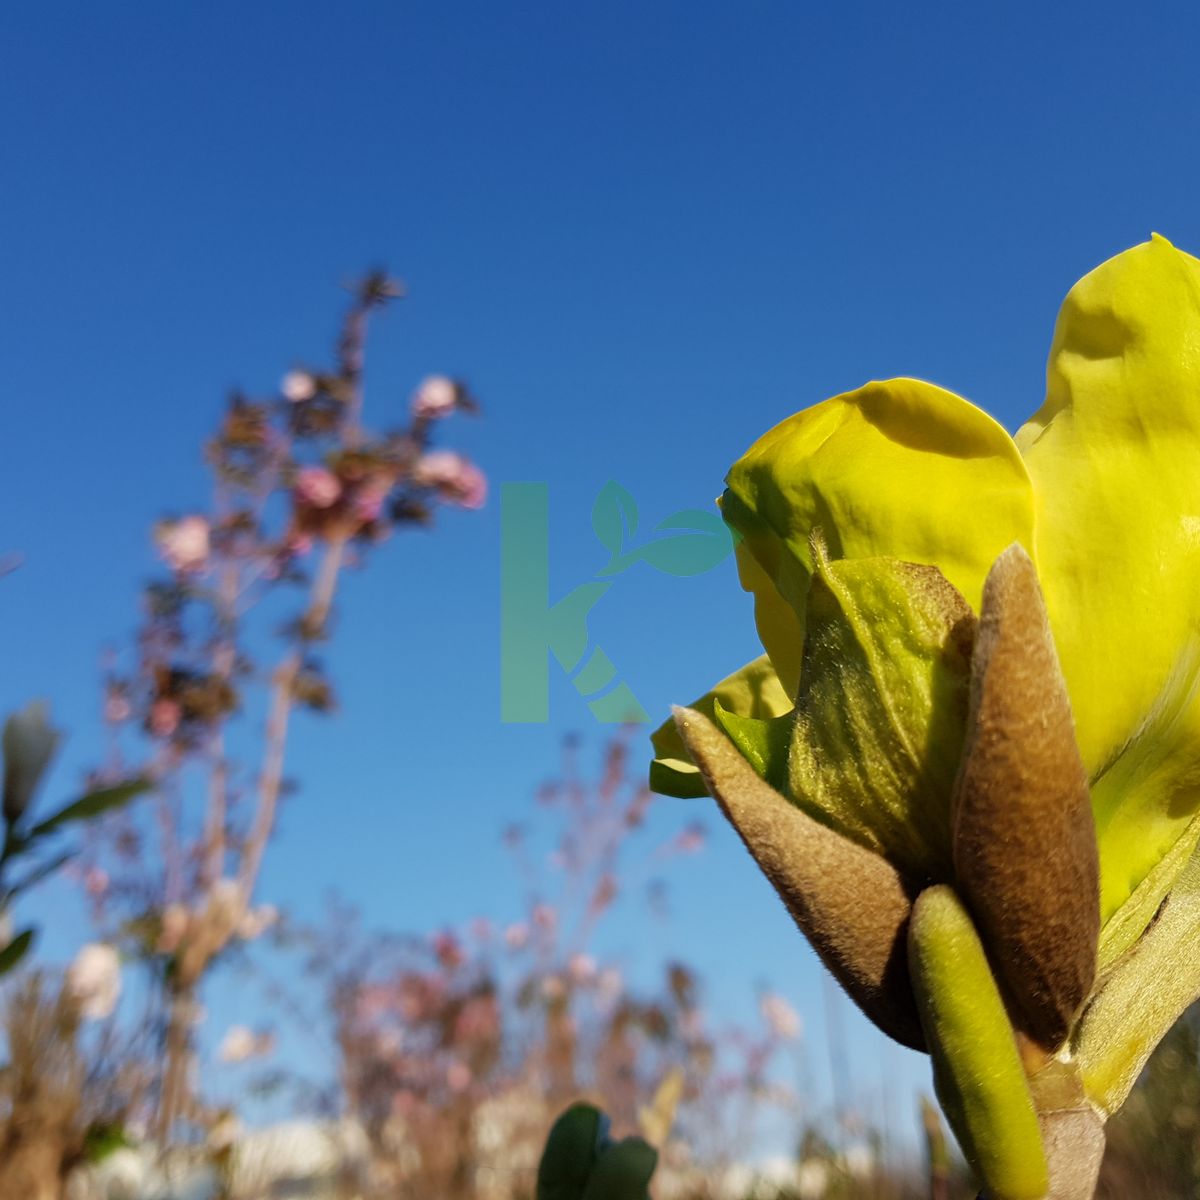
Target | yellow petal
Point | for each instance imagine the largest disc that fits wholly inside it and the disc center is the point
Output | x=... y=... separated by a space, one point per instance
x=1114 y=454
x=901 y=469
x=754 y=691
x=780 y=626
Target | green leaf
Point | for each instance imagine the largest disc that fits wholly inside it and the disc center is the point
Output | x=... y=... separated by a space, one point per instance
x=92 y=805
x=614 y=512
x=16 y=950
x=103 y=1140
x=622 y=1172
x=571 y=1149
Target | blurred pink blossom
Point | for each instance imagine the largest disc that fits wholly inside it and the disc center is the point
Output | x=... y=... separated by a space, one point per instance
x=257 y=921
x=604 y=895
x=371 y=1001
x=237 y=1045
x=516 y=935
x=457 y=479
x=241 y=1044
x=782 y=1019
x=436 y=397
x=318 y=487
x=420 y=996
x=582 y=968
x=458 y=1076
x=448 y=950
x=298 y=544
x=690 y=840
x=298 y=386
x=609 y=986
x=545 y=918
x=368 y=501
x=94 y=980
x=478 y=1020
x=165 y=715
x=184 y=544
x=117 y=708
x=95 y=882
x=389 y=1043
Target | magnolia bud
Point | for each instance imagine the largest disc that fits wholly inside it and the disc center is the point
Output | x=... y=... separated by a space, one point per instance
x=1024 y=841
x=29 y=745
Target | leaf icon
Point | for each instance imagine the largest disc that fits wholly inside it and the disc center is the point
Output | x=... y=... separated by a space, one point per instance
x=707 y=543
x=698 y=519
x=614 y=513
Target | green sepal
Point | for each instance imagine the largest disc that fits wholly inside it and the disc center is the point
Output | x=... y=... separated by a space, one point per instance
x=1129 y=922
x=882 y=707
x=754 y=691
x=1142 y=996
x=763 y=743
x=675 y=780
x=977 y=1069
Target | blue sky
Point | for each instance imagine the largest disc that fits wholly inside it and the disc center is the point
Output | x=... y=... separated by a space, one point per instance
x=644 y=232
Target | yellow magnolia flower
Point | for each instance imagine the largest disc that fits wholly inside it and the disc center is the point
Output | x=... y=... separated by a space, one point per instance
x=1102 y=488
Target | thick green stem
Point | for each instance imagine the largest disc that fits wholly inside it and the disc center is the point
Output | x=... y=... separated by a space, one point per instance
x=1074 y=1143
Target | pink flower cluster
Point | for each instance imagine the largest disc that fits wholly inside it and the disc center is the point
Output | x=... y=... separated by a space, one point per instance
x=436 y=397
x=318 y=487
x=455 y=478
x=184 y=544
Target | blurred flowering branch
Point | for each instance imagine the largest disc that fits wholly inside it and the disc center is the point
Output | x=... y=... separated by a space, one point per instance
x=455 y=1048
x=296 y=477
